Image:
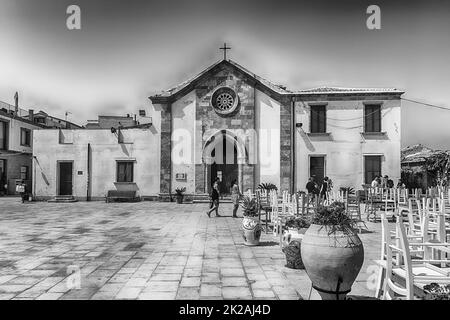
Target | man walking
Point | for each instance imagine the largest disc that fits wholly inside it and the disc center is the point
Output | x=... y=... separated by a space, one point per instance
x=215 y=195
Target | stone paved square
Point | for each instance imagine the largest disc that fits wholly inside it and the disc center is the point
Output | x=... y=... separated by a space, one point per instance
x=146 y=250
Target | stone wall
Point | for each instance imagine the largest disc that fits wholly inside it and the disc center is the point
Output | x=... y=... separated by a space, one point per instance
x=210 y=122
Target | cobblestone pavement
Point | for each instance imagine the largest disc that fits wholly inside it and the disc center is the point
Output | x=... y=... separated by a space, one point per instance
x=145 y=250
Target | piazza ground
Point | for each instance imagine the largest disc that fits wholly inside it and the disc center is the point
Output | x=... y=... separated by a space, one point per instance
x=147 y=250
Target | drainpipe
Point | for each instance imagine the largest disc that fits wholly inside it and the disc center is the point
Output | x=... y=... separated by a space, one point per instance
x=293 y=144
x=34 y=177
x=88 y=188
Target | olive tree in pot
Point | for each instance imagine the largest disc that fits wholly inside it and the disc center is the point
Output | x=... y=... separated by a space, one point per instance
x=180 y=194
x=251 y=226
x=332 y=252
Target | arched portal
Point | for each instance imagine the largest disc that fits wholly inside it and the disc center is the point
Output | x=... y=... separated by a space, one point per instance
x=223 y=156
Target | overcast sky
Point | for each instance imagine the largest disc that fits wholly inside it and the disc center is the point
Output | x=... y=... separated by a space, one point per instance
x=128 y=50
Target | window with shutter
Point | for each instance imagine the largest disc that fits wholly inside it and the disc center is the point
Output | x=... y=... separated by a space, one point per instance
x=125 y=171
x=318 y=119
x=372 y=118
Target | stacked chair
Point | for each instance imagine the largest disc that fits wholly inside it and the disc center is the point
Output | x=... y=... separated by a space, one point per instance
x=416 y=252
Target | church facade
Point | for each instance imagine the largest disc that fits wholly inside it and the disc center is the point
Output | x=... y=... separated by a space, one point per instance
x=231 y=124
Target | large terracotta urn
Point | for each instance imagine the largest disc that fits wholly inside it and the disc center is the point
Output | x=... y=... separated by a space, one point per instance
x=251 y=228
x=332 y=260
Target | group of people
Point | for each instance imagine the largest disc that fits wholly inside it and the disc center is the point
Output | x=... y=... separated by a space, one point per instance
x=215 y=196
x=385 y=182
x=312 y=187
x=319 y=191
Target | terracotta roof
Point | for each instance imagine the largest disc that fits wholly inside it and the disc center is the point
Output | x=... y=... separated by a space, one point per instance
x=327 y=90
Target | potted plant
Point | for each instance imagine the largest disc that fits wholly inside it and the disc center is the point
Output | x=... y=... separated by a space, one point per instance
x=435 y=291
x=297 y=225
x=267 y=186
x=251 y=226
x=332 y=252
x=348 y=190
x=180 y=194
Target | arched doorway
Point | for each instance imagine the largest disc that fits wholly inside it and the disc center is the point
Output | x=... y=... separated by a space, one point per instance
x=223 y=157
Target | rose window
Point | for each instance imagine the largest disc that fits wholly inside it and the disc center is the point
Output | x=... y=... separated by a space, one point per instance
x=224 y=100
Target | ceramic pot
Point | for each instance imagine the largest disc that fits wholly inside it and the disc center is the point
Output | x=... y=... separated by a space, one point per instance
x=332 y=260
x=180 y=199
x=251 y=228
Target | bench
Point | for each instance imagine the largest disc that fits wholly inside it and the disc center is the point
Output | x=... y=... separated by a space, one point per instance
x=121 y=196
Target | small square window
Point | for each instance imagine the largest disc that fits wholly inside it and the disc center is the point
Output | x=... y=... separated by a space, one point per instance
x=125 y=171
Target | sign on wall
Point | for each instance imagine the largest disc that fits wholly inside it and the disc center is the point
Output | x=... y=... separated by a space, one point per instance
x=180 y=176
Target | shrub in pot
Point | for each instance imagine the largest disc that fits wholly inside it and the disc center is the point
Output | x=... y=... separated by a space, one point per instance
x=297 y=225
x=180 y=194
x=251 y=226
x=267 y=186
x=332 y=252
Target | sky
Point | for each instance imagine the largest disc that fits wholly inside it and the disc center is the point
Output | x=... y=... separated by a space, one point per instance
x=129 y=50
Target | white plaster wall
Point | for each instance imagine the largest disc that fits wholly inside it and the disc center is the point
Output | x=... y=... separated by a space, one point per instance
x=268 y=128
x=183 y=141
x=345 y=147
x=142 y=146
x=14 y=134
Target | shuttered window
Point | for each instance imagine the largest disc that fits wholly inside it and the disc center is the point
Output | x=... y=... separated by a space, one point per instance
x=125 y=171
x=318 y=119
x=372 y=118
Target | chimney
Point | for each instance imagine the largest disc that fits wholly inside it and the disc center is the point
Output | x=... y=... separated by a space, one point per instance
x=31 y=115
x=16 y=104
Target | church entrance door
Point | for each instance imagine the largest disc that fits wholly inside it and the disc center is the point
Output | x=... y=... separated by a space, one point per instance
x=225 y=164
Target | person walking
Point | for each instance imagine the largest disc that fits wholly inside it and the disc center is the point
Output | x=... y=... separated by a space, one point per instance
x=215 y=195
x=235 y=196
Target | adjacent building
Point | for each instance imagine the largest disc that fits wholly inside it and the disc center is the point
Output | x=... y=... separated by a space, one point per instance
x=16 y=136
x=231 y=124
x=17 y=127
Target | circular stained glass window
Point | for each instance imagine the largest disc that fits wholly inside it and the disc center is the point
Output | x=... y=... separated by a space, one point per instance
x=224 y=100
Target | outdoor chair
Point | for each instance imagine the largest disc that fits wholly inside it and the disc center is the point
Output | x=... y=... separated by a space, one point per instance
x=407 y=280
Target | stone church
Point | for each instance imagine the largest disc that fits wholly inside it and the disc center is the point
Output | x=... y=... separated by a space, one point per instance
x=231 y=124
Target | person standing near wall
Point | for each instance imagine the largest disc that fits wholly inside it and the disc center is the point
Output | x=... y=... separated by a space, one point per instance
x=22 y=189
x=235 y=196
x=324 y=189
x=374 y=183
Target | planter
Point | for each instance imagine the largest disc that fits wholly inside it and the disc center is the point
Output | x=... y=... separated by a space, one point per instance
x=293 y=255
x=332 y=261
x=251 y=231
x=297 y=232
x=180 y=199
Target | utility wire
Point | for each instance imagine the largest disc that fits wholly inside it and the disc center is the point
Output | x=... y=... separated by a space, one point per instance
x=426 y=104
